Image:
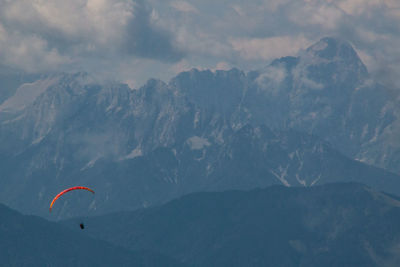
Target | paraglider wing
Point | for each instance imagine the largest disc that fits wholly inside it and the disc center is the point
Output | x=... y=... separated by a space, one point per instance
x=67 y=190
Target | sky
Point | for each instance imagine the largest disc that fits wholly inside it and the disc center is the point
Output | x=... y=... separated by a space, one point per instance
x=134 y=40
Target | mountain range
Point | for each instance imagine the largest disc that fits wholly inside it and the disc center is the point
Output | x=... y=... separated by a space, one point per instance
x=300 y=121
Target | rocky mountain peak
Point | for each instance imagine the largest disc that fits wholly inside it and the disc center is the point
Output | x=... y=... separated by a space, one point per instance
x=330 y=49
x=332 y=61
x=333 y=48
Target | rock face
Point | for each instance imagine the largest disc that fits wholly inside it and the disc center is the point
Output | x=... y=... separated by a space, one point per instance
x=299 y=121
x=327 y=92
x=344 y=224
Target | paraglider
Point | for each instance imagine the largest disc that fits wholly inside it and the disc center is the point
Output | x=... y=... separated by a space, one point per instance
x=81 y=225
x=67 y=190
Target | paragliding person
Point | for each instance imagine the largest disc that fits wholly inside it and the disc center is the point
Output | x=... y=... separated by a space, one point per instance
x=81 y=225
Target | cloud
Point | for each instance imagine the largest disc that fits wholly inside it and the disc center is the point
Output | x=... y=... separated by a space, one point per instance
x=246 y=34
x=269 y=48
x=271 y=78
x=359 y=7
x=88 y=24
x=325 y=16
x=28 y=52
x=222 y=66
x=133 y=40
x=185 y=65
x=143 y=39
x=184 y=6
x=45 y=34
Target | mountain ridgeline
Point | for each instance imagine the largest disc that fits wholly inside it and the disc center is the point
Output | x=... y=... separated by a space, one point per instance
x=33 y=241
x=300 y=121
x=332 y=225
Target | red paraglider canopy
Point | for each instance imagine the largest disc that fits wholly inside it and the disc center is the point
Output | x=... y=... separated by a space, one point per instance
x=67 y=190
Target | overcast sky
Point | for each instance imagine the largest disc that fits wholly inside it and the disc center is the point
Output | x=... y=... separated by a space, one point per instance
x=133 y=40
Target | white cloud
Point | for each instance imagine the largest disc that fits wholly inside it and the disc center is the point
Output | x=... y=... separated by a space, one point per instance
x=357 y=7
x=238 y=10
x=325 y=16
x=184 y=6
x=271 y=77
x=269 y=48
x=97 y=20
x=132 y=40
x=201 y=43
x=185 y=65
x=182 y=65
x=28 y=52
x=365 y=57
x=223 y=66
x=40 y=35
x=306 y=82
x=273 y=5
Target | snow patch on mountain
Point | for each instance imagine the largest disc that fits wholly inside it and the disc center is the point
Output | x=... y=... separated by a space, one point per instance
x=281 y=174
x=40 y=138
x=302 y=182
x=14 y=119
x=319 y=46
x=316 y=180
x=197 y=143
x=90 y=164
x=137 y=152
x=196 y=119
x=307 y=82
